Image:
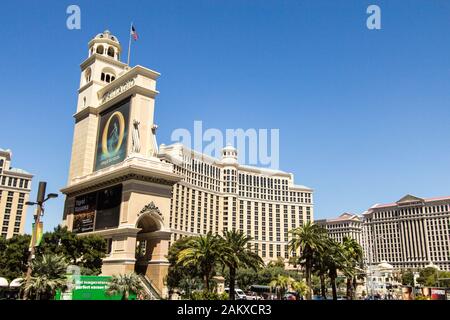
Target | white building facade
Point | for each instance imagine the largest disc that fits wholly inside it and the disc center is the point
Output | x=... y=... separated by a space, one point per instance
x=410 y=233
x=346 y=225
x=220 y=194
x=15 y=186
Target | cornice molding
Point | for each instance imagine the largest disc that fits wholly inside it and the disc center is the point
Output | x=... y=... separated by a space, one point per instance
x=86 y=63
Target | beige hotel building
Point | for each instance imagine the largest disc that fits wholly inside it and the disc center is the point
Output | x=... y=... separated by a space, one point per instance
x=15 y=185
x=409 y=233
x=346 y=225
x=142 y=197
x=216 y=195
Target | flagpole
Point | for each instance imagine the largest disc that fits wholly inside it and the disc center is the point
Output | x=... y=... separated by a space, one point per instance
x=129 y=44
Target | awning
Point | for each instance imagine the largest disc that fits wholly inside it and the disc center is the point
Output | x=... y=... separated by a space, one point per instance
x=16 y=283
x=3 y=282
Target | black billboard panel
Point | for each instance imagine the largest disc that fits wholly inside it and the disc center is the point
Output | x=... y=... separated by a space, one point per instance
x=98 y=210
x=108 y=208
x=84 y=213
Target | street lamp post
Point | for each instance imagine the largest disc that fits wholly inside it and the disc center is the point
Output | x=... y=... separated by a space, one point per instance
x=370 y=267
x=40 y=199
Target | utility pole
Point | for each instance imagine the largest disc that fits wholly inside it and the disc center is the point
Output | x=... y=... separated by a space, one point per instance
x=37 y=217
x=40 y=199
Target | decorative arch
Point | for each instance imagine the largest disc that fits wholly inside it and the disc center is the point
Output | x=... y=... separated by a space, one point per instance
x=150 y=219
x=100 y=49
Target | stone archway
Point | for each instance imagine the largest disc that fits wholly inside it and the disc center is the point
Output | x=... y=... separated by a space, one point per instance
x=152 y=245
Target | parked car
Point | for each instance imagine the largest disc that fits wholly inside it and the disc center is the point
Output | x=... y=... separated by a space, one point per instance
x=238 y=293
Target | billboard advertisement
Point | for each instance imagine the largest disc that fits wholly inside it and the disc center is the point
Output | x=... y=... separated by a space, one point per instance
x=438 y=294
x=97 y=210
x=89 y=288
x=108 y=207
x=84 y=213
x=112 y=135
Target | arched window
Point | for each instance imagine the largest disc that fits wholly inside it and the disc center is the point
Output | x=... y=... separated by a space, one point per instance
x=87 y=75
x=108 y=75
x=100 y=50
x=111 y=52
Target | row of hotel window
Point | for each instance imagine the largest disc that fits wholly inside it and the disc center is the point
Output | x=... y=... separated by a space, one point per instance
x=230 y=175
x=7 y=213
x=15 y=182
x=253 y=192
x=412 y=211
x=201 y=228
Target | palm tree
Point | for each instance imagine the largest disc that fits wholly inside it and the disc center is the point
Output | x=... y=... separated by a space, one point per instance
x=321 y=270
x=237 y=253
x=354 y=256
x=202 y=252
x=48 y=275
x=334 y=260
x=300 y=287
x=125 y=284
x=310 y=240
x=281 y=284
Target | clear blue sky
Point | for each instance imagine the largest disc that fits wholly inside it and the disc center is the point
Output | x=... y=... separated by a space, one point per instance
x=363 y=115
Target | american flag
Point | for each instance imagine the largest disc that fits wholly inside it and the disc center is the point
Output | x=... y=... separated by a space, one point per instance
x=134 y=33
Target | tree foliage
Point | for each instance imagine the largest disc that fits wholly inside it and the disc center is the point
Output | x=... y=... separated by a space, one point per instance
x=204 y=253
x=14 y=256
x=48 y=275
x=407 y=277
x=236 y=252
x=124 y=284
x=84 y=251
x=309 y=241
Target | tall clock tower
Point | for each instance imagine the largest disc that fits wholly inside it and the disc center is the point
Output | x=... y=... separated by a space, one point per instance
x=117 y=187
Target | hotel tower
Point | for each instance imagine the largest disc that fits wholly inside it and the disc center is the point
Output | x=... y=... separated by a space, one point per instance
x=140 y=197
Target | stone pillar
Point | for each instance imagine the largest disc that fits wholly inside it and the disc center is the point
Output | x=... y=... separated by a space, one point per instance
x=122 y=257
x=156 y=253
x=220 y=284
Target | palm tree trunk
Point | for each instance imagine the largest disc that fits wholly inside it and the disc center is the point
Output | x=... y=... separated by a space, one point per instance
x=232 y=280
x=349 y=288
x=322 y=286
x=308 y=281
x=333 y=287
x=355 y=284
x=206 y=278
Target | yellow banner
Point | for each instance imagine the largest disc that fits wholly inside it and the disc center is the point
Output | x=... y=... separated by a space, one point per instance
x=39 y=233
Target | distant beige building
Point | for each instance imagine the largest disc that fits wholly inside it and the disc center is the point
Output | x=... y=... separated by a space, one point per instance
x=15 y=185
x=346 y=225
x=410 y=233
x=141 y=199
